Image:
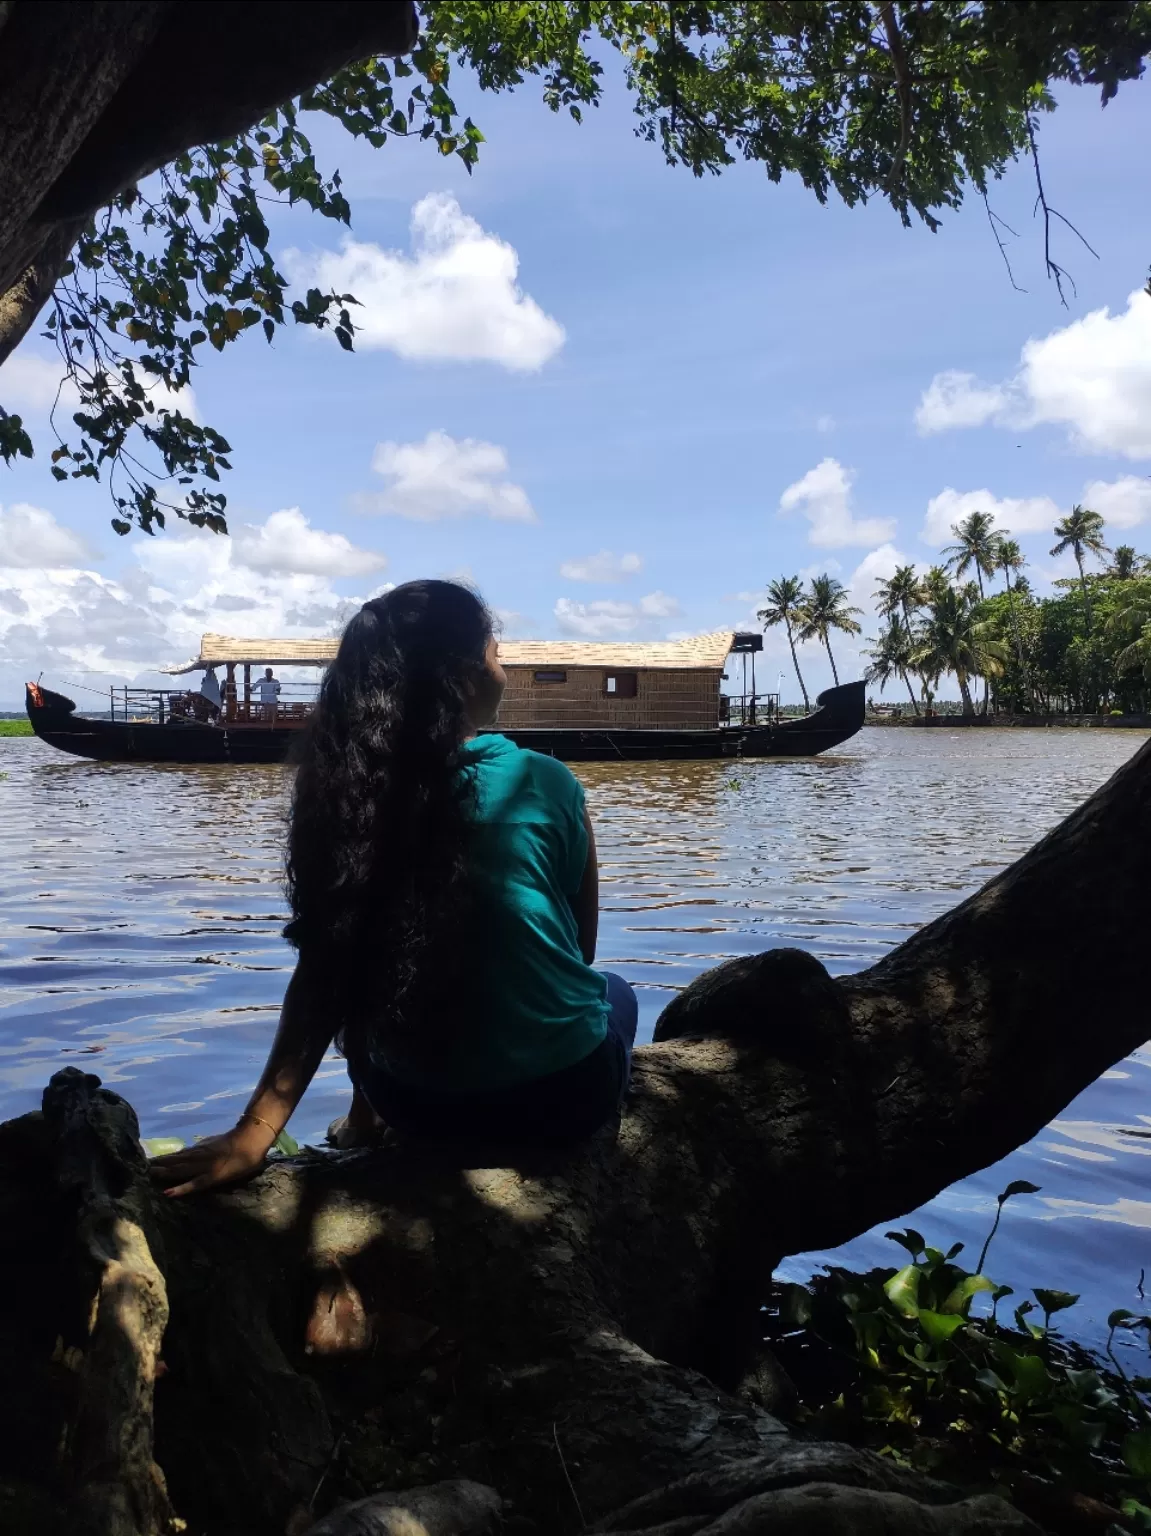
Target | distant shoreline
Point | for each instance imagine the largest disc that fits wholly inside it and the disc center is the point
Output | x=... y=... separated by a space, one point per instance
x=1016 y=722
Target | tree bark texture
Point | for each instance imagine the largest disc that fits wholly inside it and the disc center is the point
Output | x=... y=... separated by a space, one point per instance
x=578 y=1331
x=95 y=94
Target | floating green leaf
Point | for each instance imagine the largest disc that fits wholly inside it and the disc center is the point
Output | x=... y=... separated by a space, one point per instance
x=286 y=1144
x=960 y=1298
x=902 y=1290
x=1018 y=1187
x=939 y=1326
x=160 y=1146
x=910 y=1240
x=1054 y=1301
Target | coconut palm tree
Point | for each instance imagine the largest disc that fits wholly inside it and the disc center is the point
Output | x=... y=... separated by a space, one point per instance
x=890 y=656
x=1125 y=563
x=936 y=582
x=826 y=608
x=974 y=547
x=785 y=605
x=1082 y=532
x=950 y=640
x=1009 y=558
x=1131 y=621
x=901 y=593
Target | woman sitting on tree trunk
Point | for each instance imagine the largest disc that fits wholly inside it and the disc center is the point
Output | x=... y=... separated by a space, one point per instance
x=444 y=898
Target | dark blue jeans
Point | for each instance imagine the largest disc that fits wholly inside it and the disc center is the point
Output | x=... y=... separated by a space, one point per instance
x=548 y=1111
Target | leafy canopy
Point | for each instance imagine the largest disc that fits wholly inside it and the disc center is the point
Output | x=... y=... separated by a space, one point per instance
x=912 y=103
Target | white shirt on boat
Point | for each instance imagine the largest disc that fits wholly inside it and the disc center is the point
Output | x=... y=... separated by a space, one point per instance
x=268 y=688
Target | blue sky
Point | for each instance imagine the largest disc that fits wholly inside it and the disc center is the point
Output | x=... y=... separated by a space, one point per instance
x=620 y=400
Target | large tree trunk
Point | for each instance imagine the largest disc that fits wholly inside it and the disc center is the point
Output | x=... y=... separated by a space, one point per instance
x=578 y=1331
x=98 y=93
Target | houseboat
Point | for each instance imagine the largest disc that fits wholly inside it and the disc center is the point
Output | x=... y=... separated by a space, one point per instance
x=572 y=700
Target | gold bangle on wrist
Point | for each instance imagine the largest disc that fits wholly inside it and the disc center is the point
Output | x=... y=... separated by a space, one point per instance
x=259 y=1119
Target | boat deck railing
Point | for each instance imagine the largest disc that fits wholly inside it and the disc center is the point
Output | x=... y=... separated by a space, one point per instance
x=165 y=706
x=744 y=709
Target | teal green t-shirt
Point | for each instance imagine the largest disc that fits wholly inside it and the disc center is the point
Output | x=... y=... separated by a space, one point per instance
x=536 y=1006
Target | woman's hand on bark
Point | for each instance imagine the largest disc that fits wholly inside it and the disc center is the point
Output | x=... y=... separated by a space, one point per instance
x=225 y=1159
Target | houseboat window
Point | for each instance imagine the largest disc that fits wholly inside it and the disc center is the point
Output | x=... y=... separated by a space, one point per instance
x=549 y=677
x=621 y=685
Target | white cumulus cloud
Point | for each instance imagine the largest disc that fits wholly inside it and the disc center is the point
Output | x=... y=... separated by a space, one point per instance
x=606 y=620
x=287 y=542
x=1011 y=514
x=29 y=382
x=454 y=298
x=1092 y=377
x=32 y=539
x=875 y=567
x=81 y=627
x=446 y=477
x=603 y=567
x=1122 y=503
x=955 y=399
x=823 y=495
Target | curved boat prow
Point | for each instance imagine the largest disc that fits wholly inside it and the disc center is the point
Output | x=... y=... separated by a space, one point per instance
x=55 y=721
x=43 y=704
x=846 y=703
x=839 y=712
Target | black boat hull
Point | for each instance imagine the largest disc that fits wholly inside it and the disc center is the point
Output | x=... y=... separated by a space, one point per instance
x=838 y=716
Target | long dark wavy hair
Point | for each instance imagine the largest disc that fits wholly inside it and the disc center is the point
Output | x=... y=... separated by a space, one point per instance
x=378 y=843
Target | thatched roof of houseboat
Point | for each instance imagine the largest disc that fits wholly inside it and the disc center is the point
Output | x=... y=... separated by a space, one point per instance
x=635 y=655
x=710 y=651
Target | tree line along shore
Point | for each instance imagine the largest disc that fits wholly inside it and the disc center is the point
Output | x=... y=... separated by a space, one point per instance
x=1082 y=653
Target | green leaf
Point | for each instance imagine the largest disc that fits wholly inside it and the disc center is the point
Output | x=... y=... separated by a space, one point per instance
x=939 y=1327
x=1018 y=1187
x=960 y=1298
x=1054 y=1301
x=160 y=1146
x=286 y=1144
x=910 y=1240
x=1137 y=1453
x=1021 y=1312
x=902 y=1290
x=1032 y=1378
x=1121 y=1318
x=992 y=1382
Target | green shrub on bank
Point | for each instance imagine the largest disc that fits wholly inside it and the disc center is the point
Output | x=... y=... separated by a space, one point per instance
x=894 y=1359
x=16 y=728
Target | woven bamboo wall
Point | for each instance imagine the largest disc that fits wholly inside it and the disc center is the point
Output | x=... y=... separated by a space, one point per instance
x=665 y=700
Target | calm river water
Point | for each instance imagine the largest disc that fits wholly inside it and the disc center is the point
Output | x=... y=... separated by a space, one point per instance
x=140 y=916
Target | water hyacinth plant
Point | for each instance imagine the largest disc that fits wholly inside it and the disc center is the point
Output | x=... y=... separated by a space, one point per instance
x=897 y=1360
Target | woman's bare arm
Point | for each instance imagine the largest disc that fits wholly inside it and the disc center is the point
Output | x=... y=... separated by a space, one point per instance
x=586 y=903
x=304 y=1033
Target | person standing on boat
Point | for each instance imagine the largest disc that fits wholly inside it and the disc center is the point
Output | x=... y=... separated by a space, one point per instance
x=268 y=688
x=210 y=690
x=445 y=901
